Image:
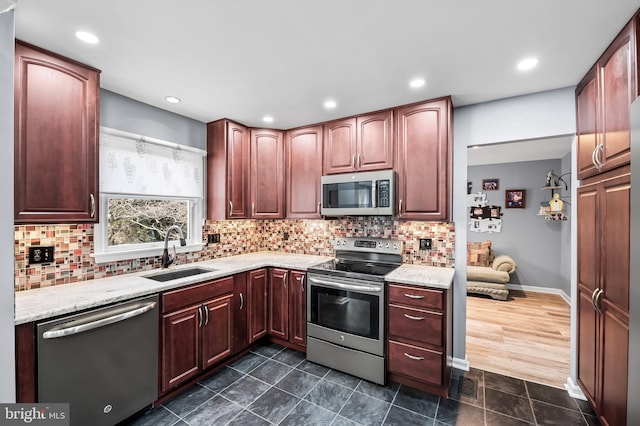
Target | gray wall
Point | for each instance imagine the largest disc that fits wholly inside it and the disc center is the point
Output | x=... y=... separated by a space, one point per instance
x=7 y=361
x=531 y=241
x=122 y=113
x=565 y=232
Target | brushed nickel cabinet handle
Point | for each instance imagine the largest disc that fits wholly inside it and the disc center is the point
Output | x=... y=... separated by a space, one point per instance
x=241 y=301
x=284 y=280
x=230 y=207
x=413 y=296
x=411 y=317
x=353 y=161
x=593 y=297
x=359 y=161
x=253 y=209
x=415 y=358
x=400 y=206
x=92 y=198
x=598 y=299
x=206 y=314
x=200 y=316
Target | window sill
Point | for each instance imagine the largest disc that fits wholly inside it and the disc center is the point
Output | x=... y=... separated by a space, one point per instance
x=113 y=256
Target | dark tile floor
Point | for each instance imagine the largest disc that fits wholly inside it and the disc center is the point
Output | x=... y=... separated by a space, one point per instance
x=275 y=385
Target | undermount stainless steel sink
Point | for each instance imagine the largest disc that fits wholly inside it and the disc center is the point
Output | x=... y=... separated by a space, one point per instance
x=178 y=273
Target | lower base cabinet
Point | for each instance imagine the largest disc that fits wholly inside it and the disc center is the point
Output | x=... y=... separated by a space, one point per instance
x=288 y=307
x=419 y=337
x=197 y=330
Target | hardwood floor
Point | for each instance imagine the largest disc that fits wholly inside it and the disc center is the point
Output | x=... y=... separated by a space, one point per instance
x=526 y=336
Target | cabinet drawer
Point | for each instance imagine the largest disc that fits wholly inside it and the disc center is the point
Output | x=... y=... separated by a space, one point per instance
x=416 y=296
x=416 y=362
x=416 y=324
x=195 y=294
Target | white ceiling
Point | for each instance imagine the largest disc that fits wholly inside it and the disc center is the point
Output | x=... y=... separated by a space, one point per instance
x=244 y=59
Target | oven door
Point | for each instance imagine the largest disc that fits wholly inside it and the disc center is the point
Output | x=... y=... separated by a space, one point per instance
x=346 y=312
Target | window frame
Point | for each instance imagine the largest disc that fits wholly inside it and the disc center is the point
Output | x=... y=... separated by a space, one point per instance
x=105 y=253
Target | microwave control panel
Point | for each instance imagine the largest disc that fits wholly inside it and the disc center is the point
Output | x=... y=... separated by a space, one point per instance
x=384 y=193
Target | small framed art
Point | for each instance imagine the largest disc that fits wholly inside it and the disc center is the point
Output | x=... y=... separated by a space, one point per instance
x=490 y=184
x=514 y=198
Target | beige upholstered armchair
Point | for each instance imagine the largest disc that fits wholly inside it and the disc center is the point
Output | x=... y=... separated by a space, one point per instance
x=487 y=274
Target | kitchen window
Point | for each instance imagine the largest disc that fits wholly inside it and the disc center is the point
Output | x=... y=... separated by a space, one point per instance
x=146 y=186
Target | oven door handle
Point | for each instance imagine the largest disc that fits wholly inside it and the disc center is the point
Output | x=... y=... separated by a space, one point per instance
x=341 y=286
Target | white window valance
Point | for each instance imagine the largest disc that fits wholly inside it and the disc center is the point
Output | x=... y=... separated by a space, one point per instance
x=135 y=164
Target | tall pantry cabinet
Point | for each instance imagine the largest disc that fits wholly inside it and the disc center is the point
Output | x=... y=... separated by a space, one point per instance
x=603 y=99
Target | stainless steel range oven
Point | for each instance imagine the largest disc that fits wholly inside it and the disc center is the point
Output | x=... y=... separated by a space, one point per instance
x=346 y=304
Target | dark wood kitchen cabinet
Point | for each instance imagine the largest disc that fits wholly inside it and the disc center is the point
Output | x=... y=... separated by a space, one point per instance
x=258 y=286
x=56 y=138
x=362 y=143
x=197 y=330
x=603 y=292
x=267 y=174
x=423 y=144
x=240 y=313
x=227 y=170
x=304 y=169
x=419 y=337
x=603 y=98
x=287 y=307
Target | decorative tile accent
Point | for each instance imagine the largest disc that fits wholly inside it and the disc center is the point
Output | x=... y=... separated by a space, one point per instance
x=74 y=245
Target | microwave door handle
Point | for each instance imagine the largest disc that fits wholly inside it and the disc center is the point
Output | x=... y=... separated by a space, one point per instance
x=374 y=201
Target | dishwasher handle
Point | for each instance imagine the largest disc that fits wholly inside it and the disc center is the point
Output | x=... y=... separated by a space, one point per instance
x=54 y=334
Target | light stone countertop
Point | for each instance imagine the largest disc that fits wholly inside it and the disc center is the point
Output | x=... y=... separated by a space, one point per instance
x=48 y=302
x=427 y=276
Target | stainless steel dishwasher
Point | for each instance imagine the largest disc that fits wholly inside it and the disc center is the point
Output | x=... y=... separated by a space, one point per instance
x=104 y=362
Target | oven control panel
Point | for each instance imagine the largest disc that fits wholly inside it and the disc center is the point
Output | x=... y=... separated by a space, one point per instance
x=367 y=244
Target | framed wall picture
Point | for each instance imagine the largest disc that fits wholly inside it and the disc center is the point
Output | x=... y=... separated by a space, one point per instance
x=514 y=199
x=490 y=184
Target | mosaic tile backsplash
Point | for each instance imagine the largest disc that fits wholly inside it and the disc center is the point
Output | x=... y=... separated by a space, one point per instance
x=74 y=244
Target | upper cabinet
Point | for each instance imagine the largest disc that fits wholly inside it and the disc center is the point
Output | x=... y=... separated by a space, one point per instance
x=603 y=98
x=245 y=170
x=363 y=143
x=423 y=162
x=303 y=149
x=56 y=138
x=227 y=170
x=267 y=174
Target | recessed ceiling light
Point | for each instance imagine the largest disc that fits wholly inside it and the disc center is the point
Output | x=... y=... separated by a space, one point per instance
x=173 y=100
x=527 y=64
x=267 y=119
x=417 y=82
x=330 y=104
x=87 y=37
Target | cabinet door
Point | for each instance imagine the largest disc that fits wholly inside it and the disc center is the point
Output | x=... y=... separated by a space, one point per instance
x=257 y=304
x=615 y=352
x=587 y=111
x=298 y=308
x=180 y=346
x=240 y=309
x=237 y=177
x=278 y=303
x=304 y=169
x=588 y=237
x=56 y=138
x=374 y=143
x=267 y=174
x=217 y=330
x=339 y=146
x=424 y=157
x=587 y=343
x=617 y=78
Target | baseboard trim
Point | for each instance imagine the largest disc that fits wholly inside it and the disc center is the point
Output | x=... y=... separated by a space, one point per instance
x=537 y=289
x=574 y=390
x=460 y=364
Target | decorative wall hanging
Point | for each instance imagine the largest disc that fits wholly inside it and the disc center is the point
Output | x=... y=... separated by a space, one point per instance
x=514 y=199
x=483 y=218
x=490 y=184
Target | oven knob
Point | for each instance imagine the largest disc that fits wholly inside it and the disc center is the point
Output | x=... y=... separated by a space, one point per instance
x=388 y=245
x=395 y=246
x=342 y=338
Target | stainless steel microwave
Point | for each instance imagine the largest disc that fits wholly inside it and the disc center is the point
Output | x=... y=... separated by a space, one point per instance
x=359 y=194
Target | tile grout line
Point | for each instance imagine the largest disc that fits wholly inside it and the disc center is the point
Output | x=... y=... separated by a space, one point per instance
x=533 y=412
x=390 y=405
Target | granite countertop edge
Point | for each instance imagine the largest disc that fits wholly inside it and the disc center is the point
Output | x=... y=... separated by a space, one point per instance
x=49 y=302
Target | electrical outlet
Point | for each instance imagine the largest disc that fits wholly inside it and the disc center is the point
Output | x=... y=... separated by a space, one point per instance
x=213 y=238
x=425 y=243
x=285 y=236
x=40 y=254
